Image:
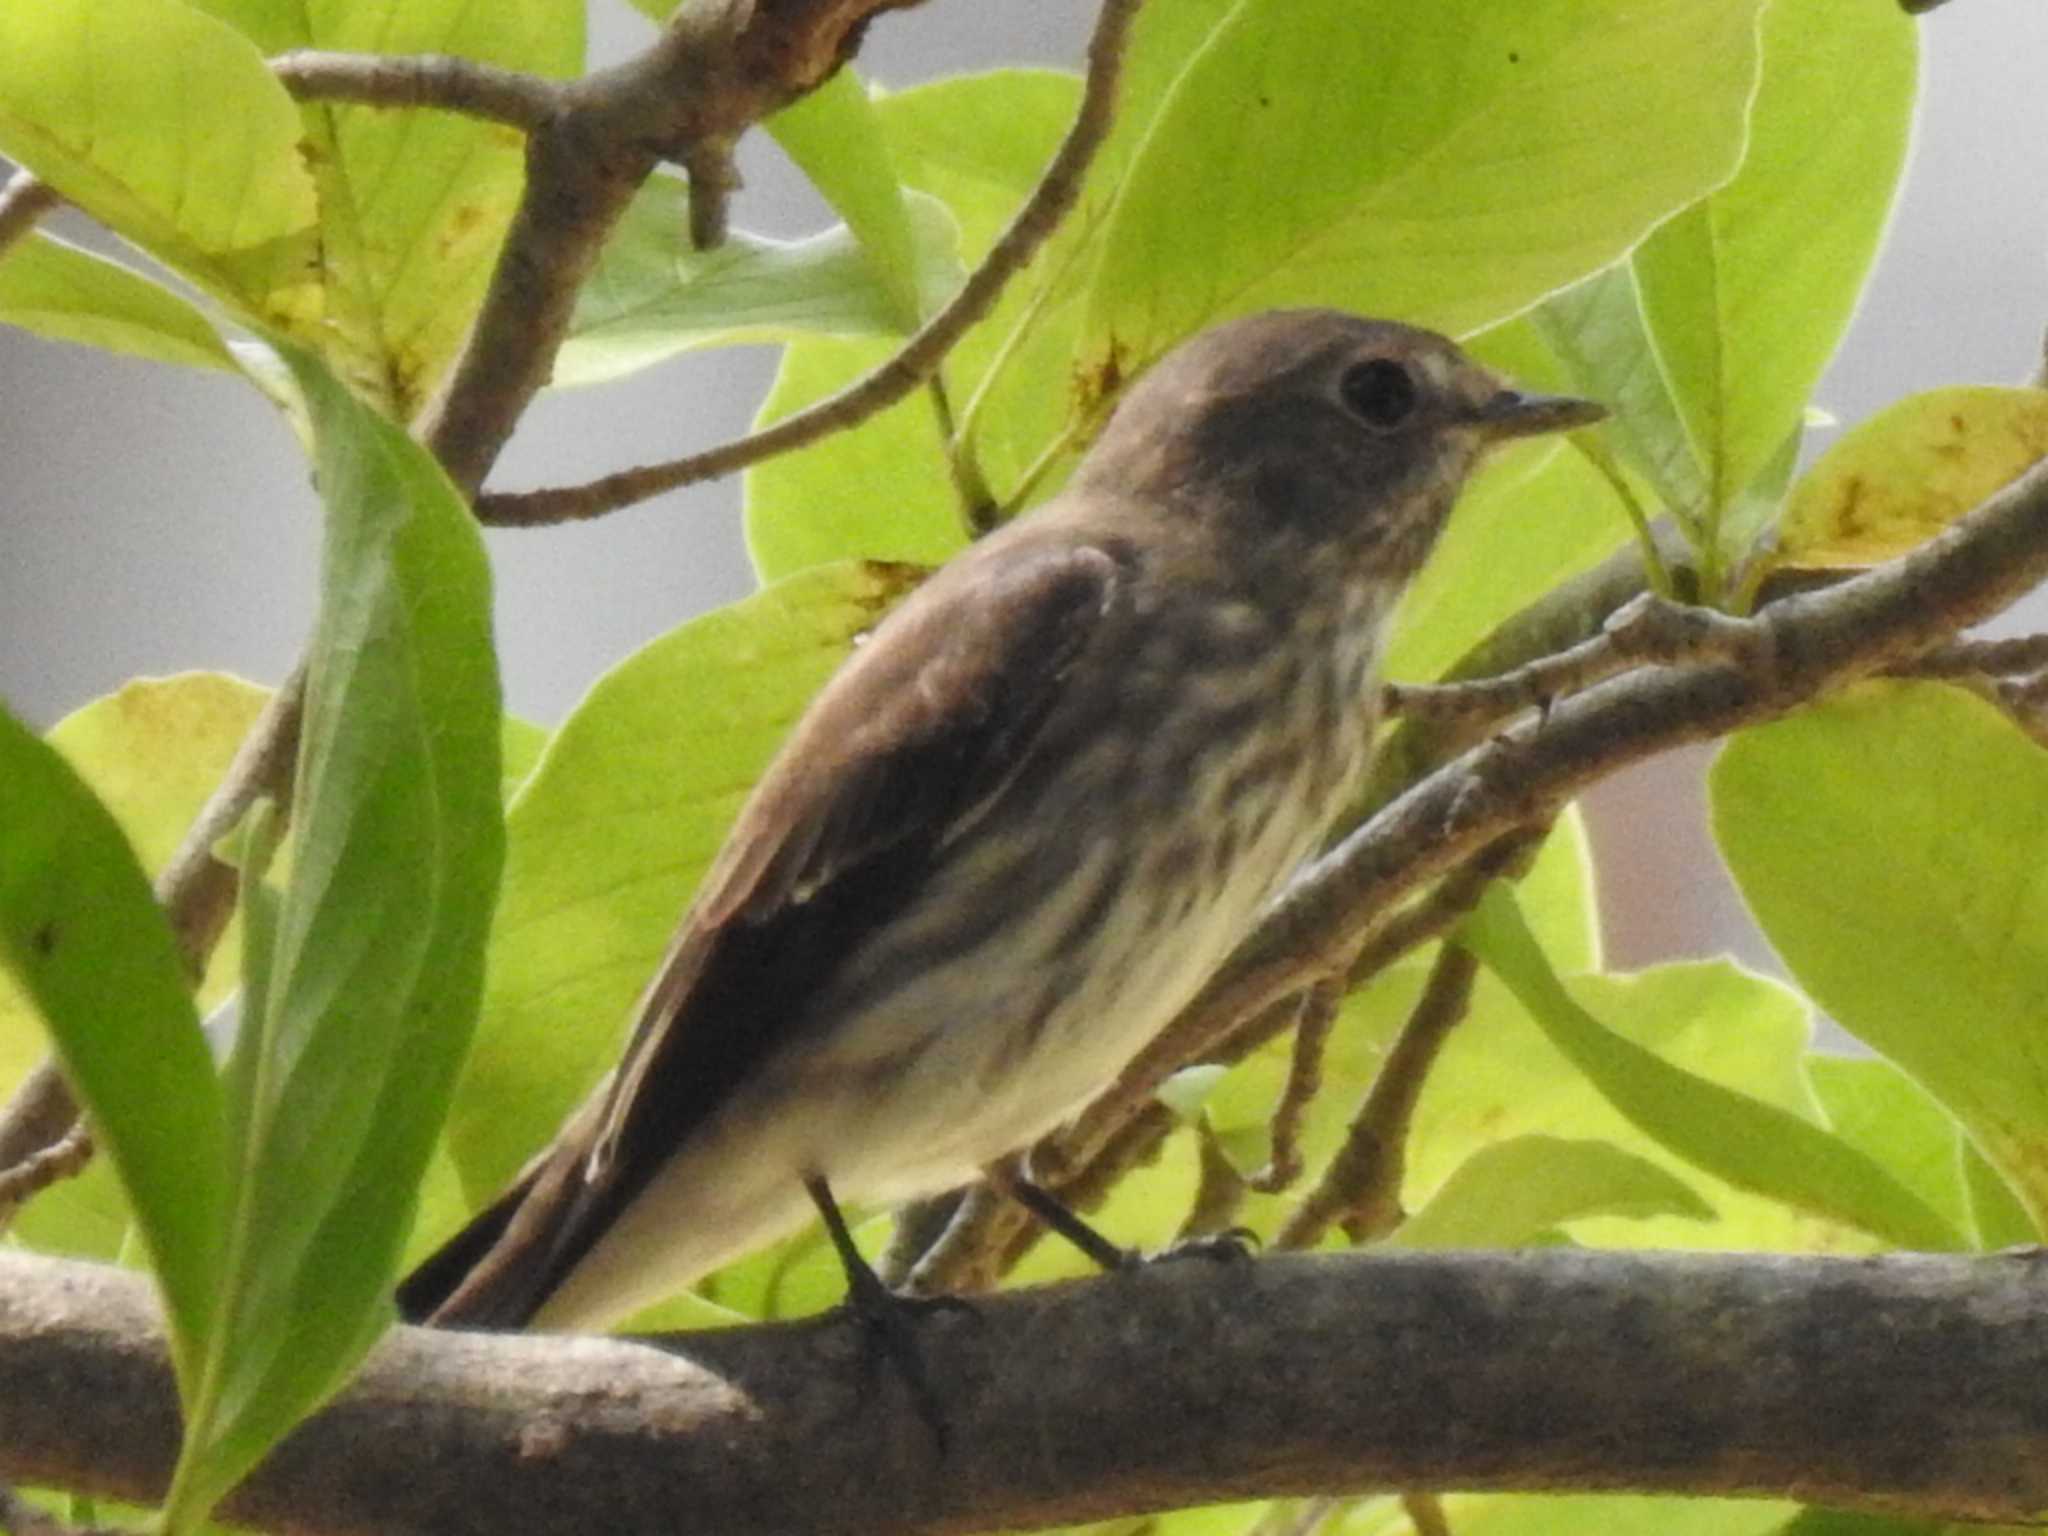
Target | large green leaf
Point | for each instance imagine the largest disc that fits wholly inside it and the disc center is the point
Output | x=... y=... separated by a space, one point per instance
x=84 y=939
x=653 y=297
x=356 y=1018
x=1889 y=844
x=67 y=294
x=1448 y=163
x=609 y=835
x=1752 y=1144
x=413 y=204
x=1748 y=292
x=167 y=126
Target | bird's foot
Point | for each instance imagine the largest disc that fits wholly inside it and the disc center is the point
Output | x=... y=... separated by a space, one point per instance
x=888 y=1319
x=1233 y=1245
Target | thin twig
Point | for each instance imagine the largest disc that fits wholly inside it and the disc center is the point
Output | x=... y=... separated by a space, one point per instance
x=65 y=1159
x=1361 y=1189
x=1987 y=658
x=1313 y=1021
x=23 y=201
x=441 y=81
x=713 y=180
x=920 y=356
x=1219 y=1189
x=1650 y=629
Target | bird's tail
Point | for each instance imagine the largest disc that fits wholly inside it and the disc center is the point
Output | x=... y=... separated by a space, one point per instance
x=496 y=1272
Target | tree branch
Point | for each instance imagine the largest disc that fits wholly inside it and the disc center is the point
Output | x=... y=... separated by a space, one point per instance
x=445 y=82
x=23 y=201
x=1796 y=650
x=1298 y=1374
x=919 y=358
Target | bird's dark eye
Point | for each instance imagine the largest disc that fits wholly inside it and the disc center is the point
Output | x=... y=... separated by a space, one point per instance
x=1381 y=392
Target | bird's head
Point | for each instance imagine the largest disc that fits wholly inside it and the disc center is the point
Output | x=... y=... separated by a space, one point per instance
x=1312 y=429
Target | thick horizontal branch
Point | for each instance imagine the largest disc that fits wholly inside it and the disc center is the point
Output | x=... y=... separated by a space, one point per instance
x=1906 y=1383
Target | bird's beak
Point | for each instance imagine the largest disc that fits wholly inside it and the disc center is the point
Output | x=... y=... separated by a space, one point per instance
x=1510 y=413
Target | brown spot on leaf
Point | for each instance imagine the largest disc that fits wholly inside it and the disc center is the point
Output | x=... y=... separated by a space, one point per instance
x=44 y=940
x=1097 y=383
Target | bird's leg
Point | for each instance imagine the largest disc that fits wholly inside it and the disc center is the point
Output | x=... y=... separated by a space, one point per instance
x=888 y=1317
x=1011 y=1177
x=1014 y=1179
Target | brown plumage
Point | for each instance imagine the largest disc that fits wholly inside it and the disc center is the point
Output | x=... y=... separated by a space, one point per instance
x=1020 y=827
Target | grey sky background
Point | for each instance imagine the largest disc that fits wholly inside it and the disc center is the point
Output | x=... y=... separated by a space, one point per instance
x=155 y=520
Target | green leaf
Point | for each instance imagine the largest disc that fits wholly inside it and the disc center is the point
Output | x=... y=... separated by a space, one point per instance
x=1510 y=1192
x=652 y=297
x=608 y=837
x=413 y=204
x=1910 y=471
x=982 y=176
x=357 y=1018
x=1883 y=1113
x=835 y=136
x=152 y=752
x=878 y=493
x=67 y=294
x=167 y=127
x=1752 y=1144
x=82 y=936
x=1597 y=330
x=1888 y=843
x=1747 y=293
x=1995 y=1211
x=1478 y=167
x=1535 y=1514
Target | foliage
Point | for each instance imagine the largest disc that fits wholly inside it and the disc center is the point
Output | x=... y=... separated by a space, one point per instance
x=1454 y=164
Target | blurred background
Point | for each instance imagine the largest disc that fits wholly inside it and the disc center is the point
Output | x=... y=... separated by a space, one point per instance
x=156 y=520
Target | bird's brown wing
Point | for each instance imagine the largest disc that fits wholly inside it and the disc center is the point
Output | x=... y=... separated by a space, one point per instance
x=908 y=746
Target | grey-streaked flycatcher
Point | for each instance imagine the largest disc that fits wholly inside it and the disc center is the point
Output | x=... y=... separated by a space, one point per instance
x=1021 y=826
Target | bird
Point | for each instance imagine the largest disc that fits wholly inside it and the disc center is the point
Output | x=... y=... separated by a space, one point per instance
x=1020 y=827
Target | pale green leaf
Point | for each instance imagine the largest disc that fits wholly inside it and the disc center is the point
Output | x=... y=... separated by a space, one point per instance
x=653 y=297
x=878 y=493
x=1477 y=171
x=168 y=127
x=1748 y=292
x=413 y=204
x=836 y=138
x=1597 y=330
x=1876 y=1108
x=1510 y=1192
x=66 y=294
x=1888 y=843
x=368 y=995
